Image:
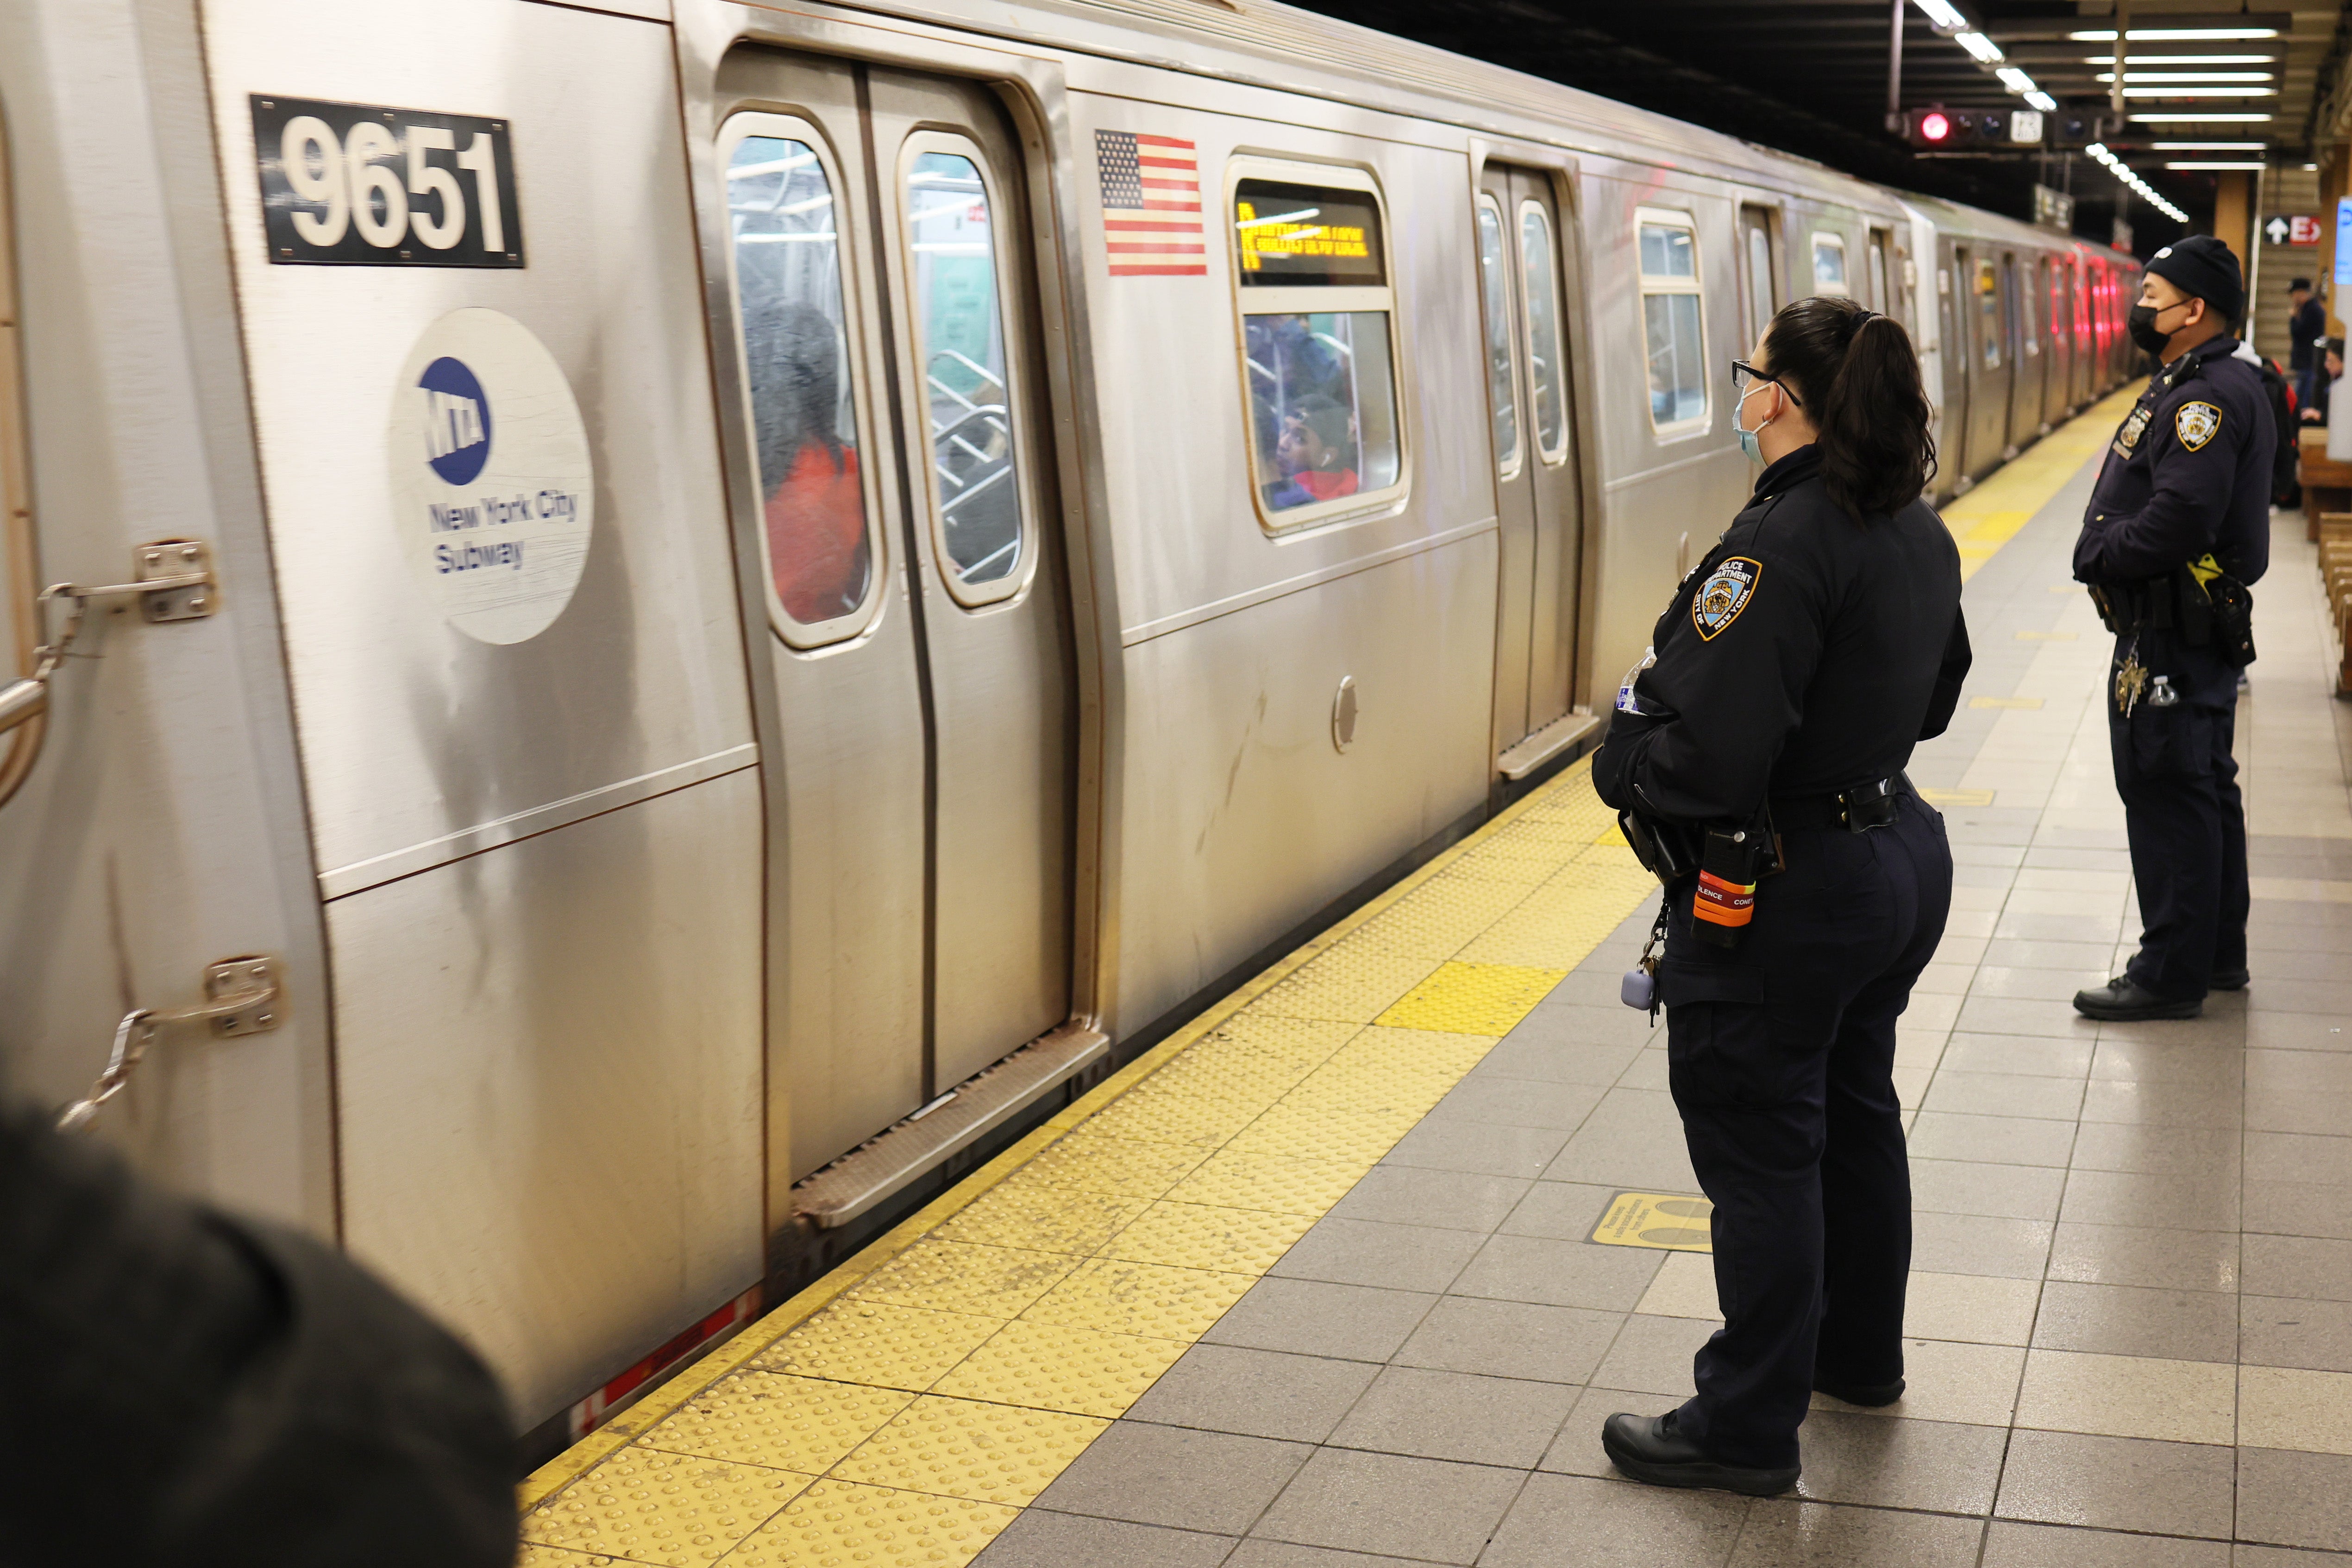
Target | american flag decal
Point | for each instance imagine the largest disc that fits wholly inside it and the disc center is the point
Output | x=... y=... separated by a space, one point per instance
x=1151 y=205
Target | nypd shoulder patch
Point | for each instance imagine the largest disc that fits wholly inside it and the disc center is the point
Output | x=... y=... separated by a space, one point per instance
x=2196 y=424
x=1724 y=594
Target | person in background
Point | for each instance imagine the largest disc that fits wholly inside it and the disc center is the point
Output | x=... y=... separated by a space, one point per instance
x=191 y=1389
x=815 y=505
x=2306 y=324
x=2178 y=526
x=2331 y=369
x=1795 y=668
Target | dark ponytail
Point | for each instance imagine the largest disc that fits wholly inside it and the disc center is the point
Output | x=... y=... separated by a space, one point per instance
x=1860 y=380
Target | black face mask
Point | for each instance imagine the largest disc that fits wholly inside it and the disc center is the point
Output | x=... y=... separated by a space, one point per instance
x=2141 y=323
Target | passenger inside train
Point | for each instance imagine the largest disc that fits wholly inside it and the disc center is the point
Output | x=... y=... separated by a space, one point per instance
x=1315 y=454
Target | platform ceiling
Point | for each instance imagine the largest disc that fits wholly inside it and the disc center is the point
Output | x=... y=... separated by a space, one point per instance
x=1811 y=76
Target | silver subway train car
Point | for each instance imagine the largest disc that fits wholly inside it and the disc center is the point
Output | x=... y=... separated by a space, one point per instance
x=644 y=625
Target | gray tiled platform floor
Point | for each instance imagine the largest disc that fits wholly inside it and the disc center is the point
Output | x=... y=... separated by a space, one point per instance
x=2132 y=1308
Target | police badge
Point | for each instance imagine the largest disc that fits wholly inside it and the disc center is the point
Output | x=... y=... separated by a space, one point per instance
x=2196 y=423
x=1724 y=594
x=2127 y=436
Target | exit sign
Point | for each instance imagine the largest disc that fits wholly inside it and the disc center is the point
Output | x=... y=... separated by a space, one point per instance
x=2292 y=228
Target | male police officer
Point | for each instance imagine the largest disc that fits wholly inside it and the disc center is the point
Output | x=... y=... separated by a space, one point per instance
x=2178 y=524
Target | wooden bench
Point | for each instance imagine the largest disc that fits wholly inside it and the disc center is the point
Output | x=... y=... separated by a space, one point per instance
x=2326 y=486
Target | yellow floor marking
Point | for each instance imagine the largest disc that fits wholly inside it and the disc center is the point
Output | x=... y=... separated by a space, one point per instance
x=2004 y=702
x=1990 y=515
x=901 y=1409
x=1668 y=1222
x=1956 y=797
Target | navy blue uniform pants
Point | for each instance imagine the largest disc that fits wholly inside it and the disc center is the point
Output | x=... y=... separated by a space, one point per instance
x=2186 y=820
x=1780 y=1055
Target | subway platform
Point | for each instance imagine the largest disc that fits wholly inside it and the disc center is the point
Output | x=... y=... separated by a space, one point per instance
x=1348 y=1273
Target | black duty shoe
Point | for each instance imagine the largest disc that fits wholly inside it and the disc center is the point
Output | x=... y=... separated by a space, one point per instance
x=1870 y=1396
x=2120 y=1001
x=2230 y=979
x=1649 y=1448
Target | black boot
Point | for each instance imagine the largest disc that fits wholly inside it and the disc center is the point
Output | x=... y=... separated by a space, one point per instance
x=2122 y=1001
x=1650 y=1448
x=2230 y=979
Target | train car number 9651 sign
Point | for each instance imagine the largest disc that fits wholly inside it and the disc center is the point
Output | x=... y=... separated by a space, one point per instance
x=356 y=184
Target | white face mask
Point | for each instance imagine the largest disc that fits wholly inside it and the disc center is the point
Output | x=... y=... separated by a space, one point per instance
x=1748 y=443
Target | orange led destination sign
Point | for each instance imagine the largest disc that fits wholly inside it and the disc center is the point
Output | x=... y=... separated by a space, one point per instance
x=1290 y=235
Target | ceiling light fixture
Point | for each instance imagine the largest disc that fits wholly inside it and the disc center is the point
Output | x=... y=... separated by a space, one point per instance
x=1941 y=13
x=2196 y=35
x=1986 y=51
x=2208 y=146
x=2209 y=165
x=2205 y=116
x=2042 y=101
x=2132 y=60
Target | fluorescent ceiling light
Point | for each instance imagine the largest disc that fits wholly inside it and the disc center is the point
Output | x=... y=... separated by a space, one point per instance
x=2201 y=93
x=2132 y=76
x=2210 y=164
x=1986 y=51
x=2208 y=117
x=2208 y=146
x=1941 y=13
x=2016 y=80
x=2200 y=35
x=2042 y=101
x=2132 y=60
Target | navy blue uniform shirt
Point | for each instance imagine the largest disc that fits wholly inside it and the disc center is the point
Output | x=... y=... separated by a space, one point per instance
x=1809 y=652
x=2188 y=473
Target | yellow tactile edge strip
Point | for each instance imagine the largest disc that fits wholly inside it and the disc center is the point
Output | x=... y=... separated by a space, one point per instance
x=946 y=1374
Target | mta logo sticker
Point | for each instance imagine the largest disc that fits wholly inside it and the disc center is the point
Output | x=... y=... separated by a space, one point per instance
x=1724 y=594
x=457 y=421
x=2196 y=424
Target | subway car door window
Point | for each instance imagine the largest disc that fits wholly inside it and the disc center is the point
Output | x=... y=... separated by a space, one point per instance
x=978 y=507
x=818 y=537
x=1671 y=322
x=1502 y=385
x=1544 y=357
x=1317 y=345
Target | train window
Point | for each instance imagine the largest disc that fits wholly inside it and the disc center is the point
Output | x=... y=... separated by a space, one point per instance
x=2029 y=338
x=1988 y=313
x=818 y=534
x=1671 y=320
x=1829 y=264
x=1318 y=353
x=965 y=387
x=1881 y=288
x=1755 y=230
x=1502 y=386
x=1544 y=357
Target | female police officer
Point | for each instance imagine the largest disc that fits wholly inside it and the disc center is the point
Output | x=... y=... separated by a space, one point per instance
x=1793 y=672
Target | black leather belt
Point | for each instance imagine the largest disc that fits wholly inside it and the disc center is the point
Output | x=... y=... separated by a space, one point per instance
x=1857 y=809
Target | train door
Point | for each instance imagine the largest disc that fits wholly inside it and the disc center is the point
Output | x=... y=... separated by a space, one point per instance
x=1956 y=319
x=1527 y=359
x=2025 y=356
x=1759 y=271
x=2056 y=397
x=1989 y=367
x=1882 y=274
x=919 y=722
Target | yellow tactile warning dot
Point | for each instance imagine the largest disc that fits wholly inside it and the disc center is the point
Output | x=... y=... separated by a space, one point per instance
x=836 y=1524
x=970 y=1448
x=1202 y=1236
x=856 y=1340
x=949 y=1373
x=1054 y=1367
x=534 y=1555
x=957 y=1276
x=1120 y=1165
x=671 y=1510
x=1044 y=1219
x=1278 y=1183
x=768 y=1418
x=1149 y=1299
x=1474 y=998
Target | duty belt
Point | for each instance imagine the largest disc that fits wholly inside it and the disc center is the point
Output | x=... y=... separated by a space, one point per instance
x=1857 y=809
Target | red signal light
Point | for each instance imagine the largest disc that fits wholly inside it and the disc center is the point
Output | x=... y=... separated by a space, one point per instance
x=1933 y=127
